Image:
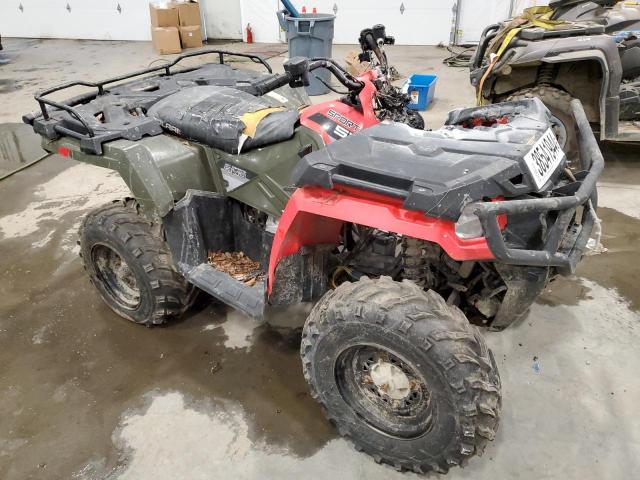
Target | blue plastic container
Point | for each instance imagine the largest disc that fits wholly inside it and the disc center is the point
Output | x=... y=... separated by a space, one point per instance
x=420 y=88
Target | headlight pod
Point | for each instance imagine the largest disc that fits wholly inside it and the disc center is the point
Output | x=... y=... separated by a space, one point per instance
x=468 y=225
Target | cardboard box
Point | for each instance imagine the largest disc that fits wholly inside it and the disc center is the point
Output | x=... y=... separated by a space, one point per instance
x=163 y=15
x=191 y=36
x=354 y=66
x=166 y=40
x=188 y=13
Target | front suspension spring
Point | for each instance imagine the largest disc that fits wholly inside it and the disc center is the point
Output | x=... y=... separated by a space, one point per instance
x=413 y=261
x=546 y=73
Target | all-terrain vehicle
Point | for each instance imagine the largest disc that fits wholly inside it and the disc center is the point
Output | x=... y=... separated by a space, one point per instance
x=589 y=50
x=403 y=237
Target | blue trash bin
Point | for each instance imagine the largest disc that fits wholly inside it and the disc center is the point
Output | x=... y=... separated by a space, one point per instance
x=420 y=88
x=310 y=35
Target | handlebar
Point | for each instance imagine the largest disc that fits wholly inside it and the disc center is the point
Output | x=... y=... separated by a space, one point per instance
x=340 y=73
x=271 y=83
x=371 y=41
x=297 y=71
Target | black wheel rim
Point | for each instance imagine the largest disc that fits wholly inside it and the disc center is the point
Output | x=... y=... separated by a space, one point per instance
x=385 y=390
x=116 y=276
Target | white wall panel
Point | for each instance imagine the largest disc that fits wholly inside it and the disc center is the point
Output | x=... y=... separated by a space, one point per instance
x=412 y=22
x=476 y=15
x=89 y=19
x=261 y=15
x=421 y=22
x=222 y=18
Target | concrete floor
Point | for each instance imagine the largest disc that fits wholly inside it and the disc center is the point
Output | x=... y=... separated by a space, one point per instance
x=85 y=394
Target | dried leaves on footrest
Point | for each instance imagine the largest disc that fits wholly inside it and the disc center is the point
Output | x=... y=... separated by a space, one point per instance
x=238 y=265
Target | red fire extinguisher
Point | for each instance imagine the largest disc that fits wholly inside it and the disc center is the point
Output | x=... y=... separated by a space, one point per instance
x=249 y=33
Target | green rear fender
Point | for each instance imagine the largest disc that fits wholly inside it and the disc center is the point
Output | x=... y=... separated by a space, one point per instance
x=158 y=170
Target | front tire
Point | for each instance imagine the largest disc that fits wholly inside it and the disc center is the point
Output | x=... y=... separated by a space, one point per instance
x=564 y=125
x=130 y=265
x=402 y=374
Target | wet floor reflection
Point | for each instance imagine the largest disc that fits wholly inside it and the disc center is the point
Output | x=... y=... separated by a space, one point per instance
x=19 y=145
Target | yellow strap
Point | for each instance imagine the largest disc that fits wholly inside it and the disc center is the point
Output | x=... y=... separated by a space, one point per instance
x=507 y=40
x=540 y=17
x=536 y=16
x=531 y=17
x=252 y=119
x=537 y=10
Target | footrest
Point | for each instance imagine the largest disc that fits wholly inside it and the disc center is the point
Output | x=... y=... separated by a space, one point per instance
x=250 y=300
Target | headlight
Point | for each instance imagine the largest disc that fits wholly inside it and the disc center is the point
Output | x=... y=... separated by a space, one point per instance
x=468 y=225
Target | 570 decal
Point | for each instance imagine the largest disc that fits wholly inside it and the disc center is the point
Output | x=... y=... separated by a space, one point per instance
x=335 y=124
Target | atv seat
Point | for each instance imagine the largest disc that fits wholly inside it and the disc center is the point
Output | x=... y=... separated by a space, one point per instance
x=225 y=118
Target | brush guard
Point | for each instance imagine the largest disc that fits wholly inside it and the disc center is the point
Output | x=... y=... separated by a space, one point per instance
x=559 y=251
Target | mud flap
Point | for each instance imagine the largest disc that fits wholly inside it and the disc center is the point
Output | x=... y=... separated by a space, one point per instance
x=524 y=284
x=302 y=276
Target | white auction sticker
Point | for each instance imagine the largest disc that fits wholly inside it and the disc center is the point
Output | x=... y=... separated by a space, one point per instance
x=544 y=158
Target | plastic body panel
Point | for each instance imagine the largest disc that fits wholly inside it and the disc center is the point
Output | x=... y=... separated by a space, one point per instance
x=335 y=120
x=437 y=172
x=315 y=216
x=159 y=170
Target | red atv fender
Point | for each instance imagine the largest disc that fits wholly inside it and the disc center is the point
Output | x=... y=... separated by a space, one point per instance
x=334 y=120
x=315 y=215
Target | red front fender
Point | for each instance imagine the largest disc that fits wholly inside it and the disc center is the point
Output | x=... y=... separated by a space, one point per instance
x=315 y=215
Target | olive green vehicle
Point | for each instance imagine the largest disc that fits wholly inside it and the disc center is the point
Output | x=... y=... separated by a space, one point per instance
x=405 y=238
x=577 y=49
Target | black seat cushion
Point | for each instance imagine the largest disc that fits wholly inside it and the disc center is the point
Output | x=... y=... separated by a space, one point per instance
x=225 y=118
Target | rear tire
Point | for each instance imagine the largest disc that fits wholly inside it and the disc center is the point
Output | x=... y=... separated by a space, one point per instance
x=402 y=374
x=130 y=265
x=559 y=103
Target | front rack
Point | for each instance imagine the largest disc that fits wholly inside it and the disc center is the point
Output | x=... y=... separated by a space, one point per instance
x=68 y=106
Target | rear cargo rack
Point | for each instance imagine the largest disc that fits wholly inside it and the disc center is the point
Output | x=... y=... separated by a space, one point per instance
x=100 y=86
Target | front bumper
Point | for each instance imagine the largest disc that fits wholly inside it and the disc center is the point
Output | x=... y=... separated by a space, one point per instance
x=566 y=239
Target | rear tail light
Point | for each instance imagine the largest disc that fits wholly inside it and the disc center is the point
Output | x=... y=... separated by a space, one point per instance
x=64 y=151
